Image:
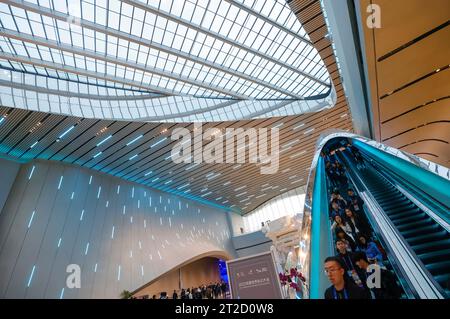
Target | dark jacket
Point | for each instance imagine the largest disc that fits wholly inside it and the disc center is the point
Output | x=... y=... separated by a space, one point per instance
x=389 y=288
x=350 y=291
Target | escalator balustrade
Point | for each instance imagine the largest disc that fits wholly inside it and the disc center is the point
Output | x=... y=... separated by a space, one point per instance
x=429 y=240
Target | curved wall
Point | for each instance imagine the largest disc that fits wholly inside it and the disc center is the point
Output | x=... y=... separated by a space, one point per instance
x=121 y=234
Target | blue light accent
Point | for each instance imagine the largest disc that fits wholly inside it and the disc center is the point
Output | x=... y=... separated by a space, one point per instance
x=191 y=167
x=31 y=173
x=2 y=119
x=118 y=189
x=133 y=157
x=170 y=156
x=132 y=192
x=223 y=270
x=183 y=186
x=60 y=182
x=82 y=214
x=90 y=180
x=159 y=142
x=168 y=182
x=66 y=132
x=31 y=218
x=112 y=233
x=97 y=155
x=99 y=191
x=118 y=274
x=132 y=141
x=34 y=144
x=31 y=276
x=95 y=268
x=148 y=173
x=104 y=140
x=62 y=294
x=73 y=193
x=87 y=249
x=321 y=240
x=59 y=242
x=154 y=180
x=206 y=194
x=142 y=270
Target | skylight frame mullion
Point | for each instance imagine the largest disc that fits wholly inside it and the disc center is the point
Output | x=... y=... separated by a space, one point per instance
x=213 y=34
x=262 y=17
x=107 y=35
x=239 y=83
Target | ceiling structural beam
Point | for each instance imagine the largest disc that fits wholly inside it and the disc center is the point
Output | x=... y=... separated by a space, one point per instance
x=270 y=109
x=268 y=20
x=220 y=37
x=83 y=72
x=38 y=89
x=190 y=113
x=34 y=88
x=102 y=57
x=153 y=45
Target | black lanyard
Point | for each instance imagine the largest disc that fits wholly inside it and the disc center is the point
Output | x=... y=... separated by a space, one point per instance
x=335 y=294
x=344 y=260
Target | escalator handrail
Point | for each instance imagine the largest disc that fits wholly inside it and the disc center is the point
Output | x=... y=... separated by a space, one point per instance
x=421 y=282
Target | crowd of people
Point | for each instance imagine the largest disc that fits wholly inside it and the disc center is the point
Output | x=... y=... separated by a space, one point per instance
x=355 y=242
x=216 y=290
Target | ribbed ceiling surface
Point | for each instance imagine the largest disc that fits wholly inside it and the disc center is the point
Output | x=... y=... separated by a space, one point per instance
x=36 y=135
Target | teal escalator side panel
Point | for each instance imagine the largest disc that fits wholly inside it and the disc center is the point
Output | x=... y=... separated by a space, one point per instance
x=430 y=183
x=320 y=233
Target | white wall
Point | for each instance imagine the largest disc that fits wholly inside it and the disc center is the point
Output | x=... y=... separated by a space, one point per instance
x=121 y=234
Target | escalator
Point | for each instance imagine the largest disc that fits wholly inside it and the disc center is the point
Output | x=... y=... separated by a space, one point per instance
x=405 y=201
x=427 y=239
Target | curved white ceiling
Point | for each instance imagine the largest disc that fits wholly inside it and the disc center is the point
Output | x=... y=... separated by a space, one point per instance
x=180 y=60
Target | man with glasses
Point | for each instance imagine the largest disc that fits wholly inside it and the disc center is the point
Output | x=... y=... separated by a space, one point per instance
x=342 y=286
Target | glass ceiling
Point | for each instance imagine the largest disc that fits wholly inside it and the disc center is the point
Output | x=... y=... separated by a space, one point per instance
x=179 y=60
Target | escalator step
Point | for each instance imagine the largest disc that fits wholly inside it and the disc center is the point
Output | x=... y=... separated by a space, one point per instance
x=411 y=220
x=408 y=217
x=406 y=213
x=435 y=256
x=384 y=191
x=420 y=223
x=386 y=194
x=427 y=238
x=399 y=205
x=444 y=281
x=390 y=201
x=428 y=229
x=433 y=246
x=397 y=210
x=439 y=268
